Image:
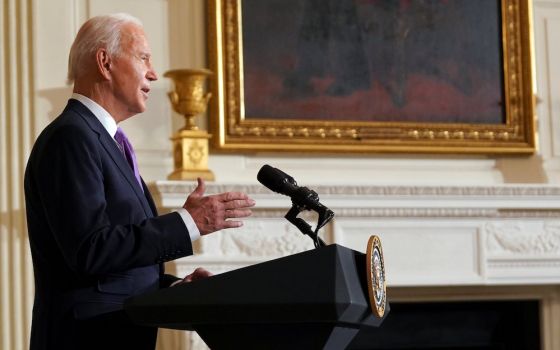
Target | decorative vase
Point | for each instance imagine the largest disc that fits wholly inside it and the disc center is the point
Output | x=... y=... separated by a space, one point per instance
x=190 y=145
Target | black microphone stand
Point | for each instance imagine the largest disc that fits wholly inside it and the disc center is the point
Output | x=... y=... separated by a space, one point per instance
x=324 y=217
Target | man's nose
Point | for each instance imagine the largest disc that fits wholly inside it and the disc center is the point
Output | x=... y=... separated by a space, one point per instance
x=151 y=75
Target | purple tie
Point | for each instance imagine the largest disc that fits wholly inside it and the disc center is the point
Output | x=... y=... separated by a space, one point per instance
x=128 y=151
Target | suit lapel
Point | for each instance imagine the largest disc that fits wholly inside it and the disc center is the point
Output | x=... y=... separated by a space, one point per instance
x=119 y=159
x=112 y=149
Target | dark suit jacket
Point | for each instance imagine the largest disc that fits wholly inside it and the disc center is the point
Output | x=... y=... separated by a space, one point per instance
x=95 y=236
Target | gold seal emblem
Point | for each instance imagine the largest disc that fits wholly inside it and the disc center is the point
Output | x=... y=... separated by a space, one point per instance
x=375 y=267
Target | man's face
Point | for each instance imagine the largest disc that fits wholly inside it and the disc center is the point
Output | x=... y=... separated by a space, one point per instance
x=132 y=72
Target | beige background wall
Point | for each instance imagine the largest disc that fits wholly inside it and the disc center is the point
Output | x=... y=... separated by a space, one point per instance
x=35 y=39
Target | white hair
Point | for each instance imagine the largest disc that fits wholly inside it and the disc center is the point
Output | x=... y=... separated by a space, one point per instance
x=97 y=32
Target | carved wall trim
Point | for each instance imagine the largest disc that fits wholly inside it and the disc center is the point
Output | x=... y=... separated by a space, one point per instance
x=255 y=240
x=517 y=238
x=514 y=264
x=489 y=192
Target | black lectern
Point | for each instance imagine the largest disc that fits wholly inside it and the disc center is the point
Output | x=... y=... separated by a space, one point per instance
x=317 y=299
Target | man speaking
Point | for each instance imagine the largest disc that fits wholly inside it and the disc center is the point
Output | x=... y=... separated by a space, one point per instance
x=95 y=236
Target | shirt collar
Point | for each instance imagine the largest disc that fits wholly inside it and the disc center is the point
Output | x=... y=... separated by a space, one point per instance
x=100 y=113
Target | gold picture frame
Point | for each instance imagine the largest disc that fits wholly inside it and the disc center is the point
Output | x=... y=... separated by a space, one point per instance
x=236 y=130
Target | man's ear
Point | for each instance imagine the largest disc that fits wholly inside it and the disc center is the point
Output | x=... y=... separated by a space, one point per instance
x=103 y=61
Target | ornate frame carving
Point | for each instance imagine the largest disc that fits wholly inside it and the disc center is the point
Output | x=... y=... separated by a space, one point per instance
x=233 y=132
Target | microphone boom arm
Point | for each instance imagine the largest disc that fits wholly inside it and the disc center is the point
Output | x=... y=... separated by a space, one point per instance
x=324 y=217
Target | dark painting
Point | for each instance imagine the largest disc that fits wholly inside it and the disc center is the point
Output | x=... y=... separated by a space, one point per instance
x=373 y=60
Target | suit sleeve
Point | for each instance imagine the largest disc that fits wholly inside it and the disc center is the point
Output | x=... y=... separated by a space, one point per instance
x=166 y=280
x=72 y=186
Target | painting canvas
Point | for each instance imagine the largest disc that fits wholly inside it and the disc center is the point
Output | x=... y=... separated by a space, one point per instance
x=428 y=61
x=372 y=75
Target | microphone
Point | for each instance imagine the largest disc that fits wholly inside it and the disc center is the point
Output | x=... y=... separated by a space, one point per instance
x=280 y=182
x=302 y=199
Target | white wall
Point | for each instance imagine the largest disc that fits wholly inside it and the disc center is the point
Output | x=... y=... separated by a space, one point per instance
x=176 y=31
x=547 y=56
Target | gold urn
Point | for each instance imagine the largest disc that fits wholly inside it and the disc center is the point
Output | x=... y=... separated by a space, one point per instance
x=190 y=145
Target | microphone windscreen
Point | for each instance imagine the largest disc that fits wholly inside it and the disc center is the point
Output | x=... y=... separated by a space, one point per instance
x=275 y=179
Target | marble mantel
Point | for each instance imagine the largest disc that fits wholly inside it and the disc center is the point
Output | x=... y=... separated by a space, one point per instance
x=431 y=235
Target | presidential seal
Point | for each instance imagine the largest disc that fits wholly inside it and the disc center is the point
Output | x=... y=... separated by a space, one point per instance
x=375 y=269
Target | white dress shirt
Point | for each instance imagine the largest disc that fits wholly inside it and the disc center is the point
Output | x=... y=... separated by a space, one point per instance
x=110 y=125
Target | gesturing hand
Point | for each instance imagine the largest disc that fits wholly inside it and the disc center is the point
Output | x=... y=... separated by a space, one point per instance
x=198 y=274
x=211 y=213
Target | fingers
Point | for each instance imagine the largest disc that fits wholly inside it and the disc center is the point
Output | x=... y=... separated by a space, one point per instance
x=234 y=214
x=237 y=213
x=197 y=194
x=200 y=188
x=198 y=274
x=235 y=209
x=239 y=203
x=231 y=224
x=231 y=196
x=202 y=272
